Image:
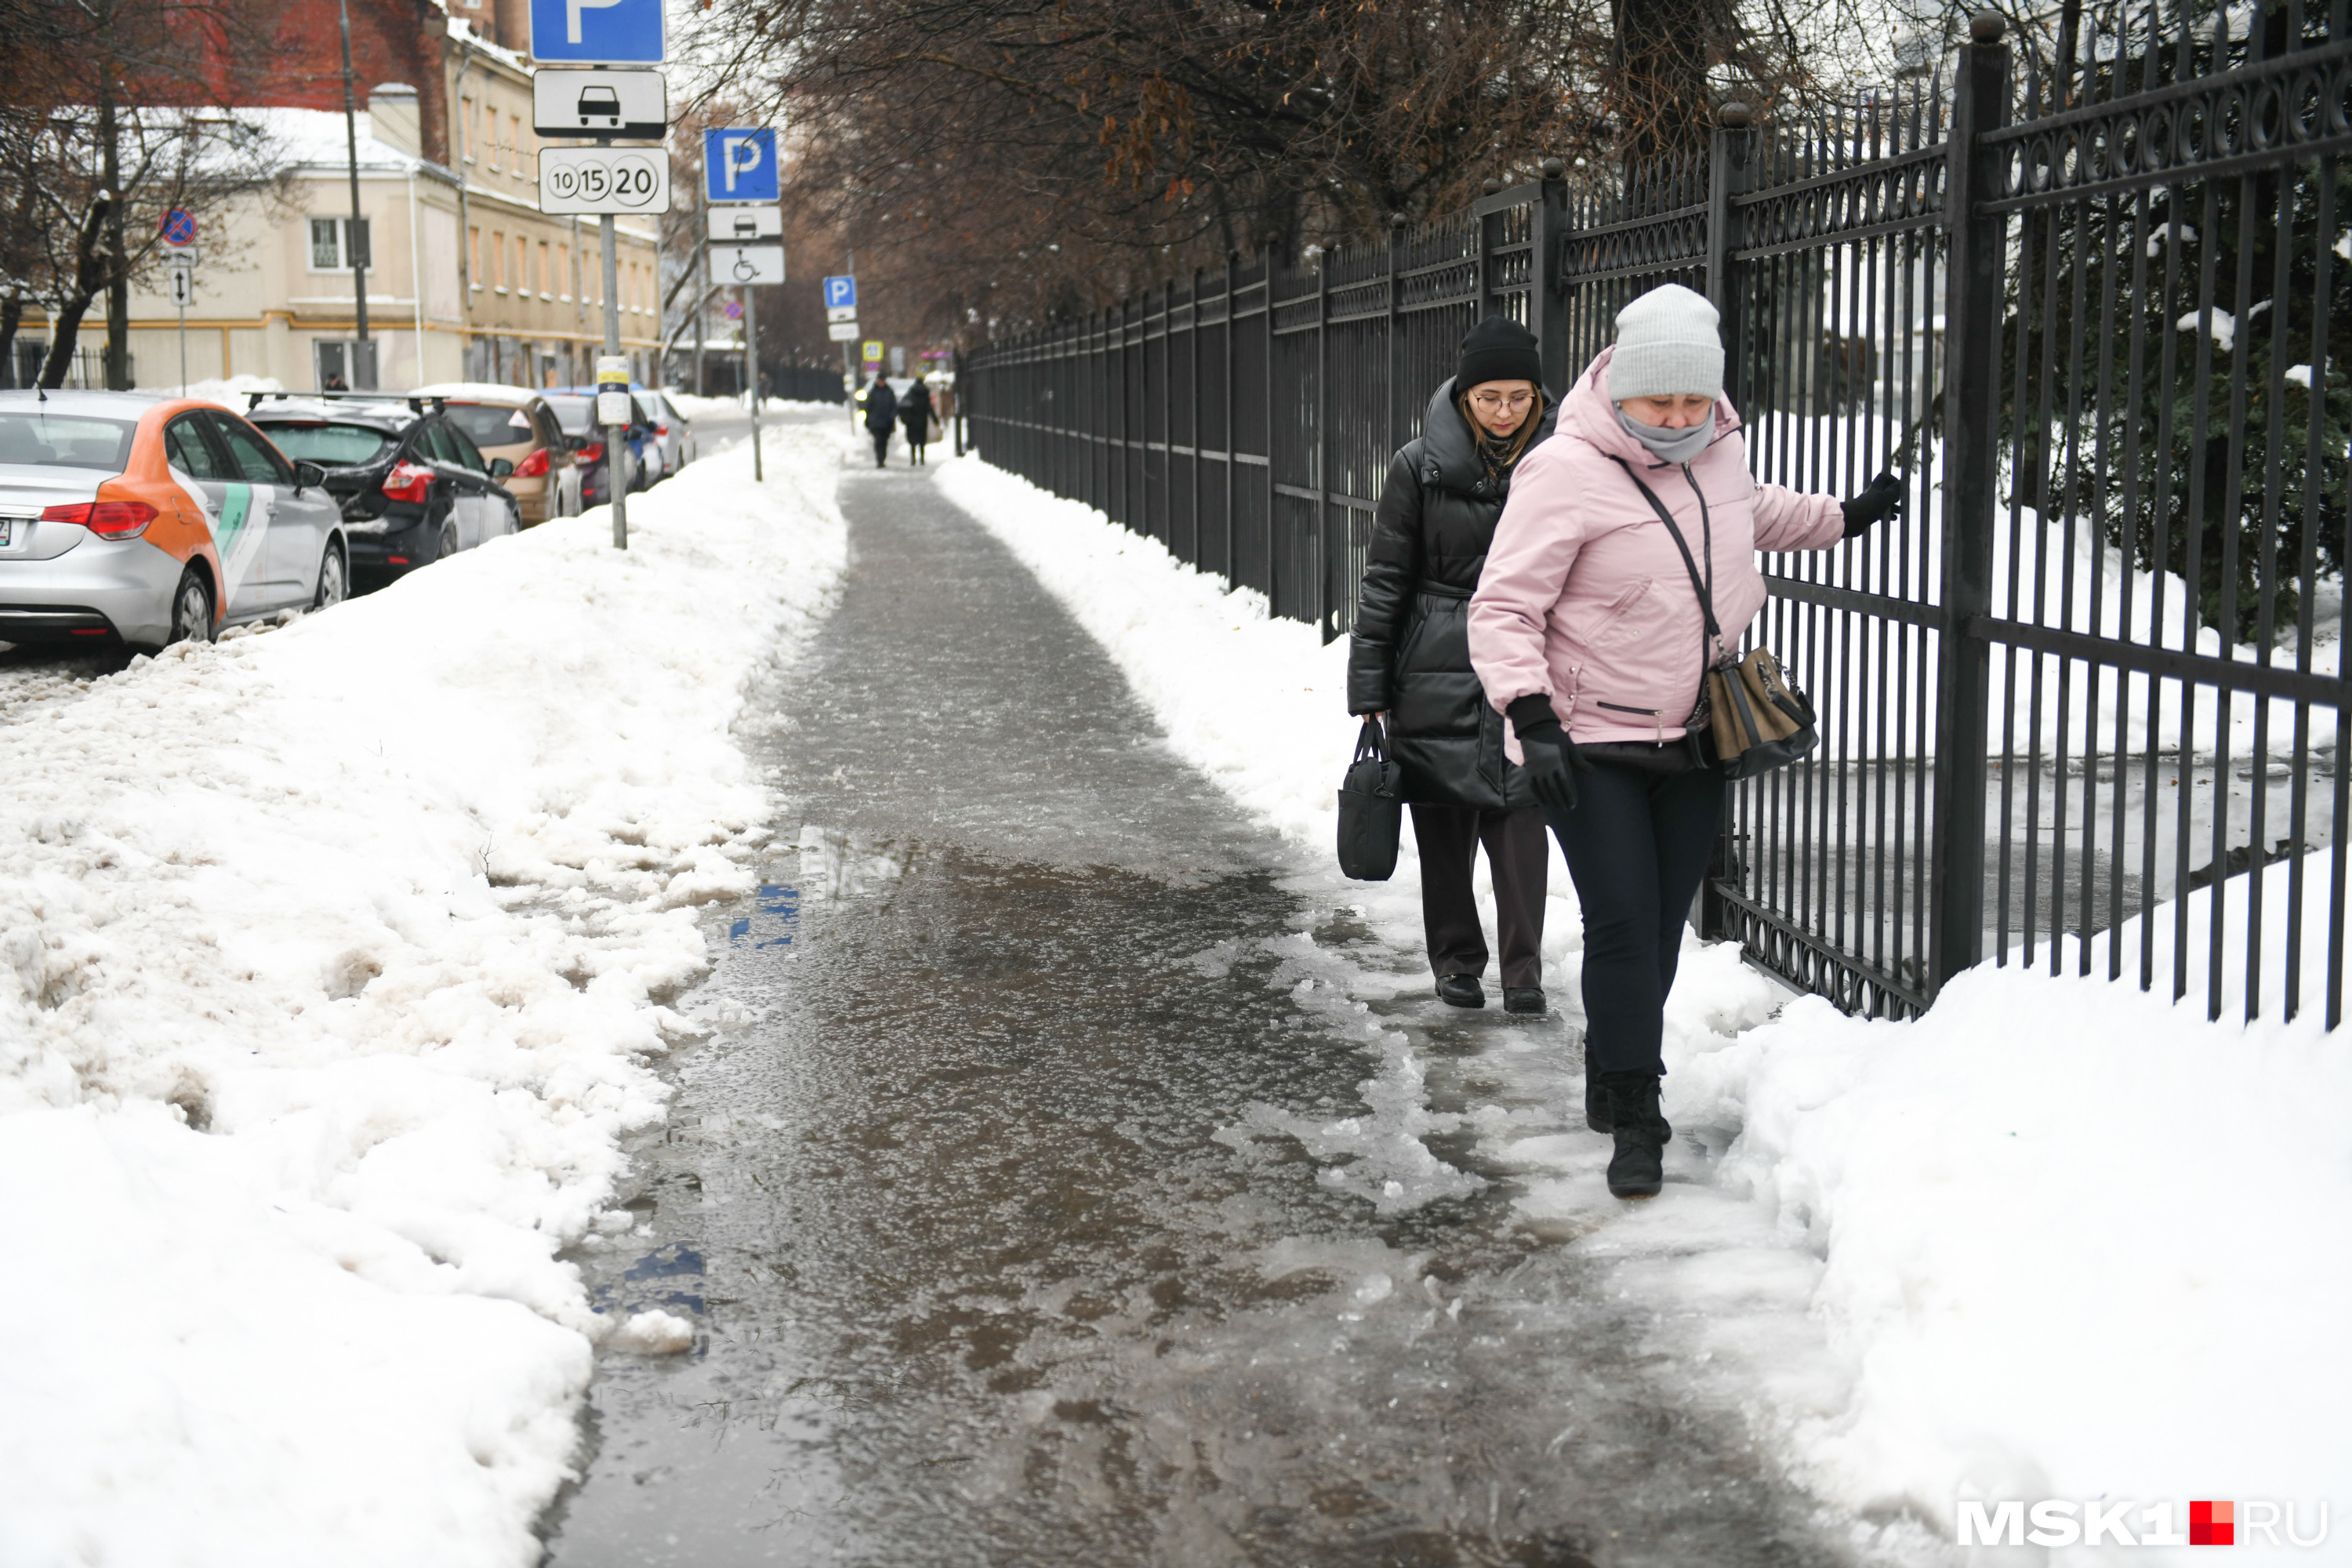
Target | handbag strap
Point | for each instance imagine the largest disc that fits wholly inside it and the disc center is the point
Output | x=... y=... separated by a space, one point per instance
x=1370 y=742
x=1704 y=588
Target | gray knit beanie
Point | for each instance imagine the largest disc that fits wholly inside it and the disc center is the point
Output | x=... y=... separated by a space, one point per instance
x=1667 y=344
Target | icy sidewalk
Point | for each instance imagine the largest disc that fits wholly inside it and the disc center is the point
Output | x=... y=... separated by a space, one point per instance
x=2058 y=1240
x=338 y=957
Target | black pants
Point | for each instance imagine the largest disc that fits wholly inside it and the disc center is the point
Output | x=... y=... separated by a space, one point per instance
x=1449 y=836
x=1637 y=847
x=881 y=447
x=916 y=450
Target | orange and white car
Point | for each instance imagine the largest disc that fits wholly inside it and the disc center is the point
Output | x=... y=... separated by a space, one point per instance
x=148 y=521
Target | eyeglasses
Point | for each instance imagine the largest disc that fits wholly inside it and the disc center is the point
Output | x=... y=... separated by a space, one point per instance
x=1489 y=402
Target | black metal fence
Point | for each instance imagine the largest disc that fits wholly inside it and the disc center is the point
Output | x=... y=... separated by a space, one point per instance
x=2081 y=708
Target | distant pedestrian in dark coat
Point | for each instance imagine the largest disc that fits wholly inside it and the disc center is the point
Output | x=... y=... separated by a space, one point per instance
x=1409 y=660
x=915 y=413
x=881 y=415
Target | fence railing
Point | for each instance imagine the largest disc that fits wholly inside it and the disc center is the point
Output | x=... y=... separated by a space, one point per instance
x=2081 y=708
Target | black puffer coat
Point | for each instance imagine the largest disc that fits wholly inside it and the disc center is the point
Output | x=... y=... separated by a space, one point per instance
x=1409 y=656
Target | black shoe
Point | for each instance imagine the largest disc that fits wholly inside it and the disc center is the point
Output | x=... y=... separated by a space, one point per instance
x=1596 y=1098
x=1638 y=1168
x=1461 y=991
x=1523 y=999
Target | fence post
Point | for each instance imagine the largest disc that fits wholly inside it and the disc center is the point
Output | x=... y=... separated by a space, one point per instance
x=1272 y=514
x=1233 y=567
x=1972 y=316
x=959 y=390
x=1728 y=174
x=1326 y=559
x=1400 y=413
x=1728 y=177
x=1192 y=336
x=1167 y=532
x=1547 y=302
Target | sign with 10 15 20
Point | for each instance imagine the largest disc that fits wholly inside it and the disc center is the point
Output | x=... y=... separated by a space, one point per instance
x=603 y=179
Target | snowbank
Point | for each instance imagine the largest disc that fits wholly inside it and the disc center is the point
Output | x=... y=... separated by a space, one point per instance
x=337 y=956
x=2058 y=1239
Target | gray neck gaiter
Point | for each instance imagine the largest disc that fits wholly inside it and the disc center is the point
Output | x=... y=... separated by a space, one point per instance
x=1669 y=446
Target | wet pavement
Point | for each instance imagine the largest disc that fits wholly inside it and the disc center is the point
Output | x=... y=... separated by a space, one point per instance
x=1021 y=1208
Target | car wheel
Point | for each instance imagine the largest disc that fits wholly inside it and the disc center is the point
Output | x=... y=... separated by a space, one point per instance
x=335 y=580
x=192 y=608
x=448 y=545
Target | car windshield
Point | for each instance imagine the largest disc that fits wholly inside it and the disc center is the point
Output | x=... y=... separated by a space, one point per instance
x=491 y=426
x=44 y=440
x=330 y=446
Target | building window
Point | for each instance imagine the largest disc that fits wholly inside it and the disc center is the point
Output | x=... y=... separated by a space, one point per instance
x=330 y=244
x=522 y=265
x=466 y=107
x=498 y=260
x=546 y=277
x=514 y=124
x=474 y=256
x=563 y=269
x=490 y=130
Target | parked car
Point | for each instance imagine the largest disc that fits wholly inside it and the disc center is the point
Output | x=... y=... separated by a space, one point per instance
x=413 y=487
x=673 y=432
x=576 y=412
x=149 y=521
x=515 y=423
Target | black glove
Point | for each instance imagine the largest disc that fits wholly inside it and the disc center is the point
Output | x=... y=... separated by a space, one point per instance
x=1882 y=501
x=1552 y=760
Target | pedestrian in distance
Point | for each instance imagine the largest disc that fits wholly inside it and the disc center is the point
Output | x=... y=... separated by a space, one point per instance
x=1409 y=663
x=1588 y=634
x=881 y=416
x=916 y=414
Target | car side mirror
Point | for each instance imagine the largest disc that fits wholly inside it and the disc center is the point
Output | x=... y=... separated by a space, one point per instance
x=308 y=475
x=500 y=468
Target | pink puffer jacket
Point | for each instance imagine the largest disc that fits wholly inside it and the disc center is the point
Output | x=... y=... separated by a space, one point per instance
x=1584 y=596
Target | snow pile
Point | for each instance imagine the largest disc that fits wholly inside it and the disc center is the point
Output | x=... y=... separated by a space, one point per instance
x=2073 y=1242
x=335 y=959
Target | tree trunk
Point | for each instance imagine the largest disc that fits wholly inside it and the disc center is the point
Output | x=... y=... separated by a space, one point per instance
x=1661 y=89
x=89 y=273
x=12 y=316
x=117 y=261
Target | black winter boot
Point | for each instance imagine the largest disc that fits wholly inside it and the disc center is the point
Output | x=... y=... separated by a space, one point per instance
x=1461 y=991
x=1638 y=1168
x=1596 y=1097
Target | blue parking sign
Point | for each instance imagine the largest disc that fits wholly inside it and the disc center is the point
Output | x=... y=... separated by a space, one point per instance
x=739 y=165
x=597 y=32
x=840 y=293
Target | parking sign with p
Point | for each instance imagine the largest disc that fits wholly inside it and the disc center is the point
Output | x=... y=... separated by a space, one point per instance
x=739 y=165
x=598 y=32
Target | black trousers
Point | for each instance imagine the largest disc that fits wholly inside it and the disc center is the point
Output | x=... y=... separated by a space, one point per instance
x=881 y=447
x=1637 y=847
x=1449 y=836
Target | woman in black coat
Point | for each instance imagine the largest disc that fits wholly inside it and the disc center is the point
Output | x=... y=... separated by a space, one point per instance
x=881 y=415
x=1409 y=661
x=915 y=413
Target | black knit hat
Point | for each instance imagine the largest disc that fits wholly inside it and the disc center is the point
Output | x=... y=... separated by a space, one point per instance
x=1498 y=349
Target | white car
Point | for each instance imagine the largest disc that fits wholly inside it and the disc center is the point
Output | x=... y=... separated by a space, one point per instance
x=673 y=434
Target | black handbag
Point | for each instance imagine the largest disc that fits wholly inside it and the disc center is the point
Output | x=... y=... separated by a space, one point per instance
x=1371 y=816
x=1756 y=720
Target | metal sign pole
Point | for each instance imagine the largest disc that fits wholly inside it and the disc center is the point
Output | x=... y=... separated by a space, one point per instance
x=616 y=436
x=183 y=292
x=752 y=372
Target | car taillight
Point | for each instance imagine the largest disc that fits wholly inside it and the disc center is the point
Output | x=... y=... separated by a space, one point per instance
x=661 y=429
x=532 y=467
x=408 y=481
x=106 y=518
x=593 y=452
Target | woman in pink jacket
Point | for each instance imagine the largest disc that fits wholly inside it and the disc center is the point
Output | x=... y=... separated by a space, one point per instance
x=1586 y=632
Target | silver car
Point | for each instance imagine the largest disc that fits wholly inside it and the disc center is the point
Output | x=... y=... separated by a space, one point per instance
x=145 y=521
x=672 y=431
